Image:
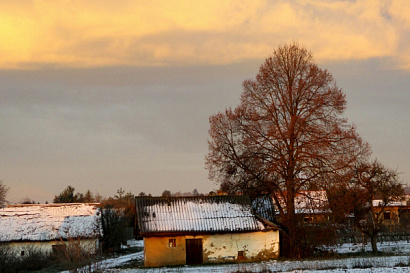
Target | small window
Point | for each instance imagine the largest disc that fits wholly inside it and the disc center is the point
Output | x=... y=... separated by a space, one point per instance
x=387 y=215
x=241 y=255
x=172 y=242
x=308 y=219
x=22 y=253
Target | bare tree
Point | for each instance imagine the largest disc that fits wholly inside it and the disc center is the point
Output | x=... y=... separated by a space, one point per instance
x=3 y=193
x=374 y=181
x=287 y=134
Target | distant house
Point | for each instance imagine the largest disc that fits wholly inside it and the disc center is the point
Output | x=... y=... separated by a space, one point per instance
x=207 y=229
x=311 y=206
x=47 y=227
x=396 y=214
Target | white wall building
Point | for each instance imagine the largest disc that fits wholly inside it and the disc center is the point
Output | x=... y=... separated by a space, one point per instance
x=47 y=226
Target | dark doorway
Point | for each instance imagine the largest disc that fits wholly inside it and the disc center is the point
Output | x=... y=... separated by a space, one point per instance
x=193 y=251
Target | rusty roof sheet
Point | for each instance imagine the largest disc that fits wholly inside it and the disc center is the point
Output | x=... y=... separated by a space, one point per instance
x=205 y=214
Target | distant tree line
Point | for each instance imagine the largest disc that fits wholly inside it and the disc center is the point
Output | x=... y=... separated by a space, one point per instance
x=167 y=193
x=68 y=195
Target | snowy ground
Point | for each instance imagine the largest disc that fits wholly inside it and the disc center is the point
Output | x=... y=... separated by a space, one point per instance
x=388 y=264
x=399 y=248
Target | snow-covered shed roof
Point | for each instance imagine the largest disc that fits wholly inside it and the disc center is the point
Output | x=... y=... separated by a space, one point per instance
x=49 y=222
x=205 y=214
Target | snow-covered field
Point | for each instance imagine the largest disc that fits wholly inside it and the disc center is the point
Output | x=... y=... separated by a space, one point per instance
x=388 y=264
x=399 y=248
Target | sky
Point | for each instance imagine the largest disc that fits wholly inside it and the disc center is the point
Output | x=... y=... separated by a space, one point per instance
x=103 y=95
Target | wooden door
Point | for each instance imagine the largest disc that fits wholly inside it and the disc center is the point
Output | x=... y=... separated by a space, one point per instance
x=194 y=251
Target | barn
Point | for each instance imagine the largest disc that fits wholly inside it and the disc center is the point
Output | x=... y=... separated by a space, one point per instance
x=46 y=227
x=206 y=229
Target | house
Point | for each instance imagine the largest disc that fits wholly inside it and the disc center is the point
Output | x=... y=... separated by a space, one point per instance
x=47 y=227
x=311 y=206
x=206 y=229
x=396 y=214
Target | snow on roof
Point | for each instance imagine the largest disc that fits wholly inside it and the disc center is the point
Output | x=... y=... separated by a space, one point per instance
x=309 y=202
x=196 y=214
x=380 y=203
x=49 y=222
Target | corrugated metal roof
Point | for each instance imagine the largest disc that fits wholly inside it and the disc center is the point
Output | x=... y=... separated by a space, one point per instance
x=263 y=206
x=219 y=214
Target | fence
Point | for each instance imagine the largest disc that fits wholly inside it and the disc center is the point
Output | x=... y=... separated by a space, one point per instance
x=358 y=238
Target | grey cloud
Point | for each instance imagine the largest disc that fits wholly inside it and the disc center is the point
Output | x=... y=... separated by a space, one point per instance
x=146 y=128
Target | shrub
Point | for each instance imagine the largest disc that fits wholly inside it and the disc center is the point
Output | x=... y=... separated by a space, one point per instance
x=77 y=256
x=314 y=237
x=114 y=225
x=7 y=259
x=33 y=259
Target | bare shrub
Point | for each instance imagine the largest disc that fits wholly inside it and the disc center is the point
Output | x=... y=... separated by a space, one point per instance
x=313 y=238
x=34 y=258
x=30 y=258
x=114 y=225
x=78 y=256
x=7 y=259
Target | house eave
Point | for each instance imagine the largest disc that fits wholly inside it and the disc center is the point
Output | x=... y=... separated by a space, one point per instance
x=197 y=233
x=48 y=241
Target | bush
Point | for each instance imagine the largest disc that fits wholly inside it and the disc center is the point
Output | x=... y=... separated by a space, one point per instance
x=33 y=259
x=77 y=256
x=314 y=237
x=114 y=226
x=7 y=259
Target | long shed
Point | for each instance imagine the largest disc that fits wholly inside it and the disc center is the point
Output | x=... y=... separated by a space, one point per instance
x=47 y=226
x=207 y=229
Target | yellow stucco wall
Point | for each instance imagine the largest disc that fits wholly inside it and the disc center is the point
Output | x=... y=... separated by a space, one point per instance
x=157 y=251
x=216 y=248
x=256 y=246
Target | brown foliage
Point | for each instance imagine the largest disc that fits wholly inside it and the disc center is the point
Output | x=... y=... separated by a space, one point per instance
x=286 y=134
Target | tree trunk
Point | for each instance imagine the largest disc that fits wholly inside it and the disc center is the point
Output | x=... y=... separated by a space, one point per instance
x=373 y=239
x=293 y=250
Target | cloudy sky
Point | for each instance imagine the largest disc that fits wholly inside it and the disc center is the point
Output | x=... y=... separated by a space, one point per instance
x=105 y=94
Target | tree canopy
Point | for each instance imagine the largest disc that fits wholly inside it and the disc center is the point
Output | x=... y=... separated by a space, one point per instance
x=287 y=134
x=66 y=196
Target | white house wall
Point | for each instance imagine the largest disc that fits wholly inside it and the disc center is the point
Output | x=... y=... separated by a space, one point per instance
x=23 y=248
